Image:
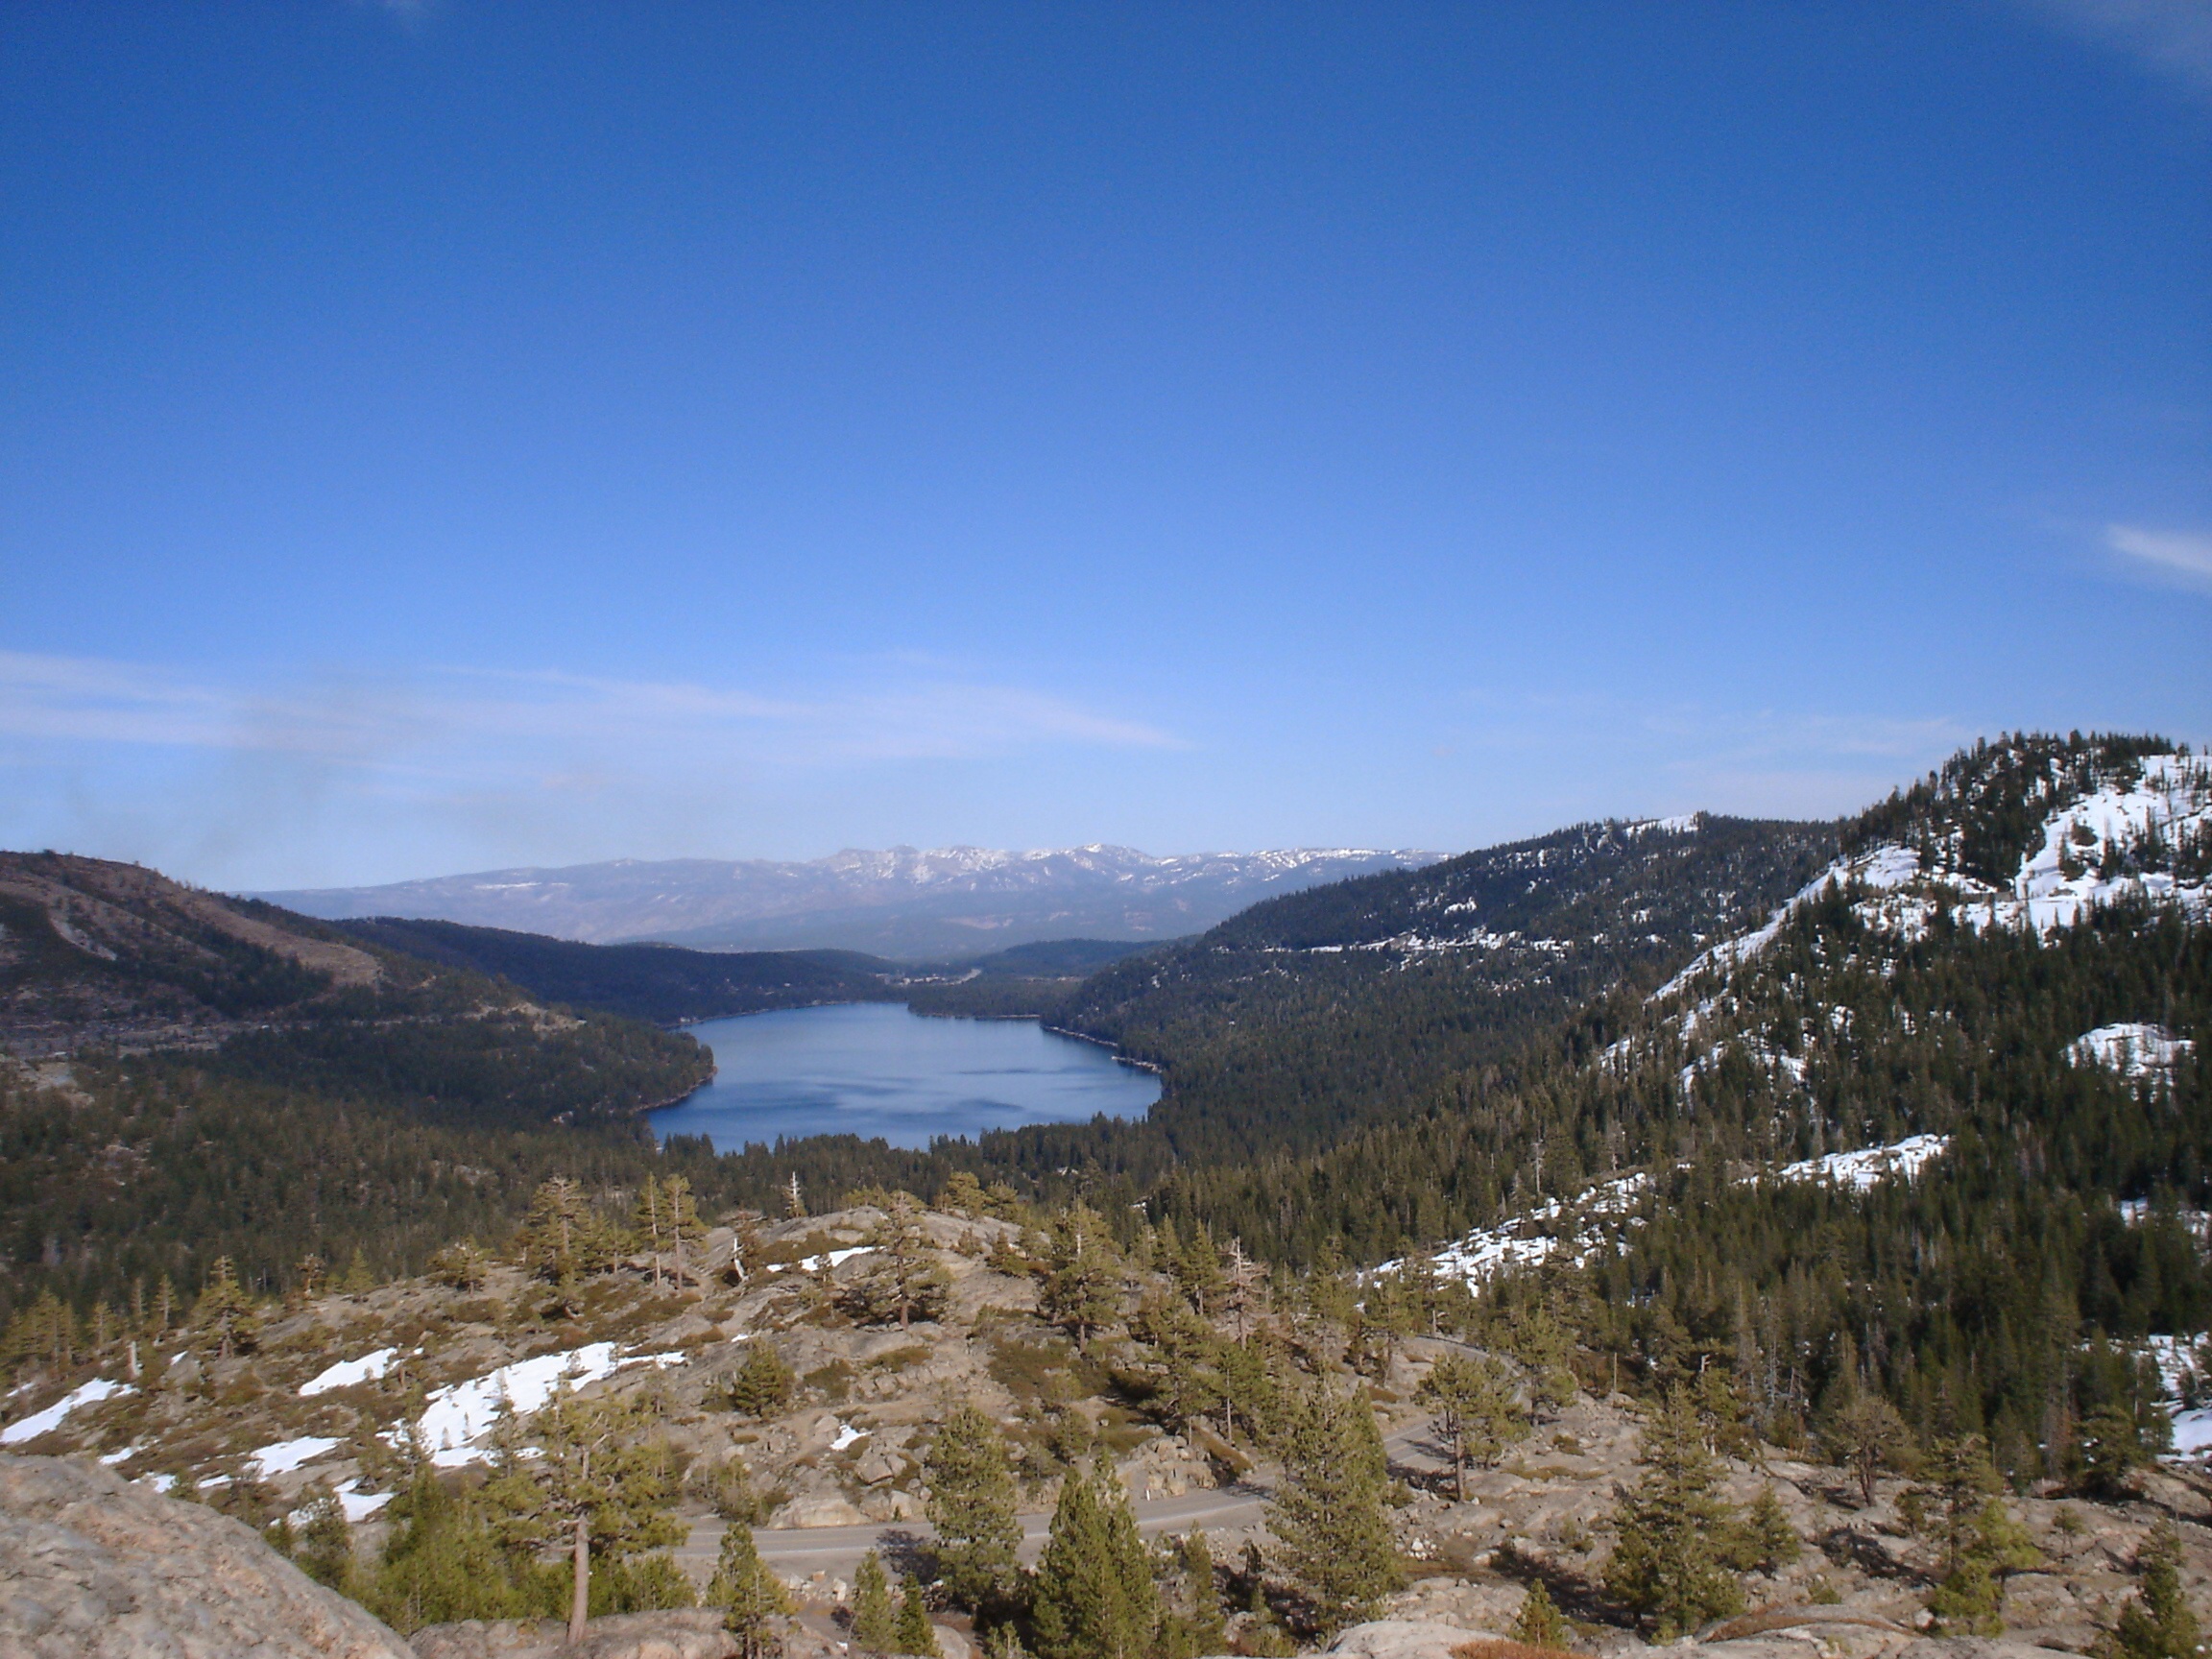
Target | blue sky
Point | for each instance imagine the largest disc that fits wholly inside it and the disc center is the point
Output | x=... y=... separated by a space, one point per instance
x=442 y=436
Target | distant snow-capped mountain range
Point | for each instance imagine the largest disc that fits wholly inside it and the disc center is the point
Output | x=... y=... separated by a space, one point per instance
x=900 y=901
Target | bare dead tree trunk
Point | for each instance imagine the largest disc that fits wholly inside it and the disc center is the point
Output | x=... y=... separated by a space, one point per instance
x=580 y=1568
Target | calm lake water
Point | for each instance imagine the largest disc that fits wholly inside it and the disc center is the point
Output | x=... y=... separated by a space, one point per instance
x=872 y=1069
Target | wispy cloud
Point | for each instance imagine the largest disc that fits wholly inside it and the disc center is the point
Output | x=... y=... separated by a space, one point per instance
x=353 y=776
x=2172 y=554
x=79 y=700
x=2174 y=37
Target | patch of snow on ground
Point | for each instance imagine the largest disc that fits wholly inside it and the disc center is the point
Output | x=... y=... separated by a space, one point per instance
x=1884 y=869
x=1577 y=1229
x=1863 y=1169
x=2193 y=1432
x=44 y=1422
x=2170 y=801
x=847 y=1435
x=2176 y=1357
x=1683 y=824
x=2134 y=1211
x=359 y=1505
x=2133 y=1050
x=827 y=1259
x=1574 y=1227
x=287 y=1456
x=111 y=1458
x=461 y=1413
x=348 y=1372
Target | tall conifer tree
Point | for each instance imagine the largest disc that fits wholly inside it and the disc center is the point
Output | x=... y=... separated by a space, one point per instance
x=1327 y=1513
x=1095 y=1597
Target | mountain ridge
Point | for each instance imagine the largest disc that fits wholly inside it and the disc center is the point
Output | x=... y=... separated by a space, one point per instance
x=902 y=902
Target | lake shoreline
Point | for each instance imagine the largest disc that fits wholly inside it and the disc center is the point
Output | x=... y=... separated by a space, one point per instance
x=884 y=1071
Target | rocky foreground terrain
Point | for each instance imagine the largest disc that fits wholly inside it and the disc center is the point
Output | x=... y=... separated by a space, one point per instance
x=95 y=1561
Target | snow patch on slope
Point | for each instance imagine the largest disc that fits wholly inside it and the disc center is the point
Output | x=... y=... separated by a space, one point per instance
x=1863 y=1169
x=461 y=1414
x=348 y=1372
x=1599 y=1219
x=2133 y=1050
x=43 y=1422
x=2059 y=882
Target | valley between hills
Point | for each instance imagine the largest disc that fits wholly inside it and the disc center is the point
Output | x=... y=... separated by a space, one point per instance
x=1790 y=1238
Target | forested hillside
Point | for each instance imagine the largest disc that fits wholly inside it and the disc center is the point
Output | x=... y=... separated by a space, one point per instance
x=1316 y=1013
x=2020 y=998
x=665 y=984
x=1627 y=1068
x=244 y=1082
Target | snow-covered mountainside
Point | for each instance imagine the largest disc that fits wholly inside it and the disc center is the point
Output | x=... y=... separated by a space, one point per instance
x=900 y=901
x=2111 y=830
x=1599 y=1219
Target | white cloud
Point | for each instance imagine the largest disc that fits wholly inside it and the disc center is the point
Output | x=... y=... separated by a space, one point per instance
x=2170 y=552
x=2171 y=36
x=357 y=777
x=367 y=721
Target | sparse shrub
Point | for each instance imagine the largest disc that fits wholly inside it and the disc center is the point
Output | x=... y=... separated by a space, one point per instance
x=1540 y=1623
x=2157 y=1624
x=461 y=1266
x=763 y=1385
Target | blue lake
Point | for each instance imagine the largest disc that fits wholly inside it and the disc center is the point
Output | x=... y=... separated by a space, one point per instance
x=875 y=1068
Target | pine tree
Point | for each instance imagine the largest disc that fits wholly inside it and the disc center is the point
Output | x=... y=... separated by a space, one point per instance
x=1186 y=1379
x=794 y=1205
x=1475 y=1407
x=914 y=1633
x=763 y=1384
x=1988 y=1549
x=751 y=1598
x=1540 y=1623
x=905 y=1279
x=744 y=1243
x=963 y=1195
x=1195 y=1625
x=1962 y=1480
x=226 y=1315
x=323 y=1548
x=461 y=1266
x=443 y=1561
x=562 y=1240
x=1770 y=1542
x=602 y=1477
x=1675 y=1531
x=2157 y=1622
x=308 y=1276
x=1541 y=1342
x=2112 y=1446
x=972 y=1506
x=1865 y=1435
x=1196 y=1269
x=1095 y=1597
x=1327 y=1512
x=359 y=1281
x=1244 y=1290
x=647 y=1220
x=1083 y=1289
x=681 y=1224
x=874 y=1621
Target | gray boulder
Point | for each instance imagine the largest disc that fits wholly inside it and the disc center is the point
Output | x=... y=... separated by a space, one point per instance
x=93 y=1568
